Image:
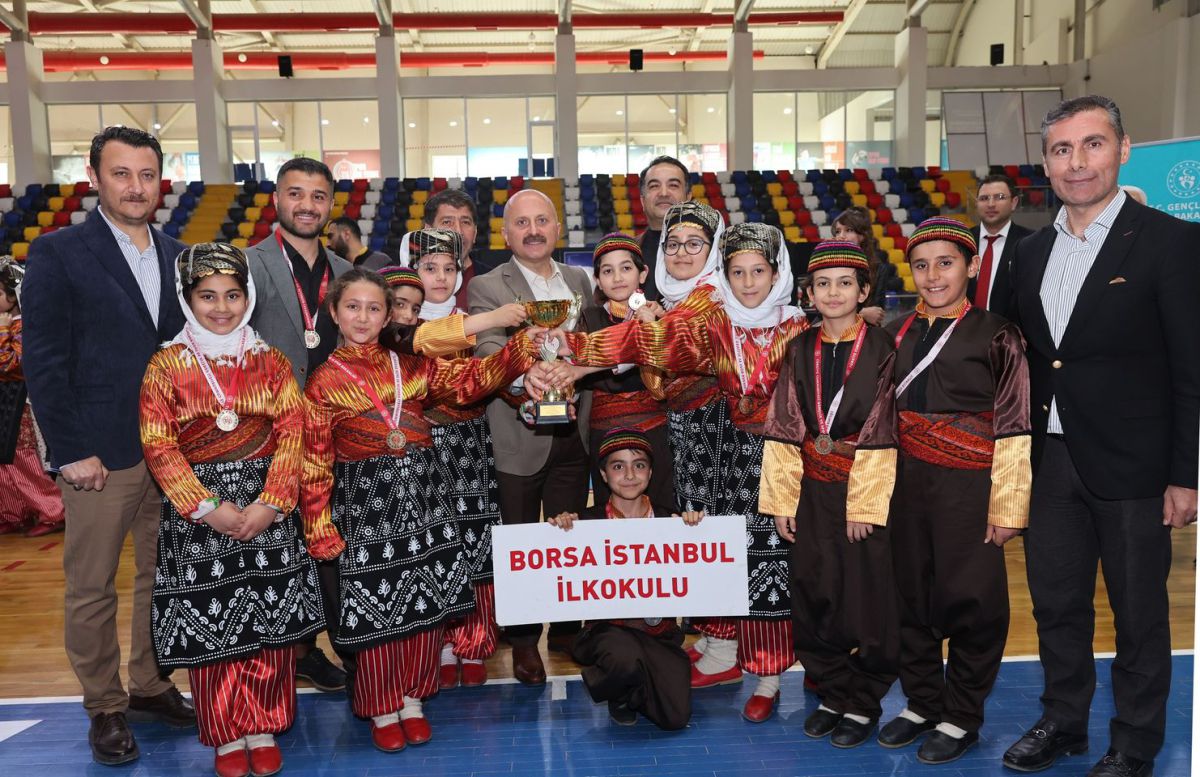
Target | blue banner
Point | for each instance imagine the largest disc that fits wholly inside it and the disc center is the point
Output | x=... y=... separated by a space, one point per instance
x=1168 y=172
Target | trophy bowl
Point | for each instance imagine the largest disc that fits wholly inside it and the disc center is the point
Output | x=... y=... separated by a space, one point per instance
x=547 y=313
x=552 y=408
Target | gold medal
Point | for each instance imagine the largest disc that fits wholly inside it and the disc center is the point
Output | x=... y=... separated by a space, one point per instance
x=227 y=420
x=823 y=444
x=744 y=405
x=311 y=339
x=396 y=440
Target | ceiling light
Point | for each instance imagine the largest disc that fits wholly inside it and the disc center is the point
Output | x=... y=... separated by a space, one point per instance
x=671 y=52
x=787 y=111
x=808 y=49
x=324 y=122
x=103 y=59
x=670 y=110
x=412 y=125
x=712 y=109
x=620 y=113
x=274 y=122
x=242 y=58
x=537 y=118
x=487 y=121
x=157 y=126
x=453 y=123
x=366 y=119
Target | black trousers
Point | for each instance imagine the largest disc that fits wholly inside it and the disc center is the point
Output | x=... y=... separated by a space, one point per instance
x=649 y=674
x=952 y=587
x=1070 y=530
x=561 y=485
x=329 y=580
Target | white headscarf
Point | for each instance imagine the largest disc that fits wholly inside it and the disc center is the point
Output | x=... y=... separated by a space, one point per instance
x=774 y=308
x=433 y=311
x=213 y=345
x=673 y=290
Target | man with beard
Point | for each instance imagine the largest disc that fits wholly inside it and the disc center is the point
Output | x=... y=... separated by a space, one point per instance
x=454 y=210
x=663 y=183
x=345 y=238
x=292 y=271
x=997 y=236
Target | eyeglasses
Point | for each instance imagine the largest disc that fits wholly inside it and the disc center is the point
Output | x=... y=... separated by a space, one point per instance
x=692 y=247
x=997 y=198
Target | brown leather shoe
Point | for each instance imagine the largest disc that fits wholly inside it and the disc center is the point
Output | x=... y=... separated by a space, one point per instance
x=527 y=665
x=111 y=740
x=169 y=706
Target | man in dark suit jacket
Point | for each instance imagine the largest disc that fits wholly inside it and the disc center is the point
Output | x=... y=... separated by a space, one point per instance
x=1106 y=299
x=98 y=300
x=997 y=236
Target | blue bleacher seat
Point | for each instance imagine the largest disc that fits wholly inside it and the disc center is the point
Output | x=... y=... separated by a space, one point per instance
x=586 y=178
x=591 y=221
x=381 y=225
x=470 y=184
x=694 y=178
x=12 y=219
x=739 y=177
x=377 y=242
x=754 y=215
x=887 y=173
x=172 y=229
x=748 y=203
x=180 y=215
x=590 y=208
x=845 y=174
x=187 y=201
x=424 y=184
x=343 y=185
x=266 y=187
x=196 y=188
x=500 y=182
x=24 y=203
x=497 y=210
x=385 y=211
x=388 y=197
x=33 y=189
x=391 y=184
x=916 y=215
x=769 y=176
x=828 y=203
x=906 y=200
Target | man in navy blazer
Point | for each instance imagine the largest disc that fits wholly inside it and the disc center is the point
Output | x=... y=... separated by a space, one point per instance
x=98 y=300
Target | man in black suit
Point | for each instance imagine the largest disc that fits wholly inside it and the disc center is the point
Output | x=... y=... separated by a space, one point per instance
x=997 y=236
x=663 y=183
x=1106 y=299
x=98 y=300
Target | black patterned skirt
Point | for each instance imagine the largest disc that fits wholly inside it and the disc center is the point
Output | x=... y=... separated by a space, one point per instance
x=700 y=448
x=217 y=598
x=404 y=569
x=467 y=488
x=766 y=552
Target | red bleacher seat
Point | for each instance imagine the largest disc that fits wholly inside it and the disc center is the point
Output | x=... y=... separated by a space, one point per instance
x=357 y=198
x=261 y=229
x=440 y=184
x=353 y=210
x=784 y=177
x=893 y=230
x=164 y=186
x=1034 y=196
x=874 y=200
x=639 y=220
x=360 y=185
x=712 y=190
x=717 y=202
x=62 y=219
x=953 y=199
x=82 y=188
x=866 y=187
x=861 y=174
x=515 y=184
x=72 y=204
x=1012 y=171
x=47 y=230
x=635 y=205
x=795 y=202
x=631 y=181
x=790 y=188
x=708 y=178
x=5 y=190
x=900 y=242
x=1024 y=183
x=803 y=217
x=268 y=214
x=811 y=233
x=254 y=240
x=883 y=215
x=943 y=185
x=934 y=171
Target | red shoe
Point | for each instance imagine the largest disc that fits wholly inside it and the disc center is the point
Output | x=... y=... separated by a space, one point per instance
x=693 y=654
x=389 y=738
x=235 y=764
x=448 y=676
x=729 y=676
x=416 y=730
x=265 y=760
x=42 y=529
x=474 y=675
x=759 y=708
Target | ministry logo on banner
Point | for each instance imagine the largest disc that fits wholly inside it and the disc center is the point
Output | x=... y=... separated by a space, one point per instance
x=1169 y=173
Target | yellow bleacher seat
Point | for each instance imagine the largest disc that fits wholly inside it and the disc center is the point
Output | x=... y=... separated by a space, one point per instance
x=20 y=250
x=620 y=193
x=500 y=196
x=496 y=223
x=246 y=229
x=57 y=203
x=341 y=198
x=32 y=232
x=496 y=242
x=412 y=225
x=624 y=221
x=697 y=190
x=859 y=199
x=621 y=206
x=876 y=229
x=337 y=212
x=792 y=233
x=909 y=285
x=928 y=185
x=240 y=242
x=775 y=189
x=702 y=200
x=420 y=196
x=253 y=214
x=416 y=211
x=887 y=243
x=779 y=203
x=261 y=199
x=937 y=199
x=896 y=257
x=45 y=218
x=786 y=218
x=852 y=187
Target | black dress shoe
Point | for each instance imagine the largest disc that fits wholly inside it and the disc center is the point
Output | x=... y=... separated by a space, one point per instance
x=939 y=748
x=321 y=672
x=902 y=732
x=850 y=733
x=1041 y=746
x=169 y=706
x=621 y=714
x=111 y=740
x=560 y=643
x=1115 y=764
x=821 y=723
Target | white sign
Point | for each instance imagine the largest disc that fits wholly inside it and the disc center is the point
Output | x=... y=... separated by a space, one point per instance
x=640 y=568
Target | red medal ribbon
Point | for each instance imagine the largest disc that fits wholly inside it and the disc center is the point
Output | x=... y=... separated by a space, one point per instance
x=823 y=424
x=230 y=391
x=310 y=320
x=392 y=420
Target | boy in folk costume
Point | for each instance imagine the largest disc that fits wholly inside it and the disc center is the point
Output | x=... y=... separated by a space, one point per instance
x=221 y=425
x=408 y=294
x=962 y=491
x=742 y=344
x=634 y=664
x=829 y=466
x=367 y=495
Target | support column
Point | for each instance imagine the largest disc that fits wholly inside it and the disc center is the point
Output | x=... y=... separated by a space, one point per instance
x=1178 y=61
x=566 y=118
x=739 y=108
x=912 y=62
x=27 y=112
x=391 y=106
x=212 y=121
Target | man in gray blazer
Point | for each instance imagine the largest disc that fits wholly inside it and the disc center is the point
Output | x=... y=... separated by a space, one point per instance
x=541 y=470
x=292 y=271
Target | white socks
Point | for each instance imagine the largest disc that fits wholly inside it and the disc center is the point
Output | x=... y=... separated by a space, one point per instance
x=701 y=645
x=951 y=730
x=767 y=686
x=226 y=749
x=908 y=714
x=385 y=720
x=255 y=741
x=719 y=655
x=411 y=709
x=859 y=719
x=448 y=656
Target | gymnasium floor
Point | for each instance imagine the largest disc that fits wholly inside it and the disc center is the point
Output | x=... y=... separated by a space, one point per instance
x=505 y=728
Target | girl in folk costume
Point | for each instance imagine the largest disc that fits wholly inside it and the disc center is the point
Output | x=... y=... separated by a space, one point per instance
x=26 y=491
x=221 y=424
x=368 y=499
x=962 y=491
x=829 y=465
x=620 y=398
x=634 y=664
x=462 y=442
x=742 y=344
x=408 y=294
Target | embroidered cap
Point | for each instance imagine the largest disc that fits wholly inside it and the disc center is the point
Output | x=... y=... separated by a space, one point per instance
x=205 y=259
x=941 y=228
x=837 y=253
x=617 y=241
x=691 y=212
x=429 y=241
x=402 y=276
x=752 y=236
x=624 y=439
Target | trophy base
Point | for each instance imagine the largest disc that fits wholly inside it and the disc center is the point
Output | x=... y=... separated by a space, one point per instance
x=547 y=412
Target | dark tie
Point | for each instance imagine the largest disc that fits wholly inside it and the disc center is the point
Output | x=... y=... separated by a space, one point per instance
x=985 y=274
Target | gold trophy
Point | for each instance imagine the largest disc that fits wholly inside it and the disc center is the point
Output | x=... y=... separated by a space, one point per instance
x=552 y=313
